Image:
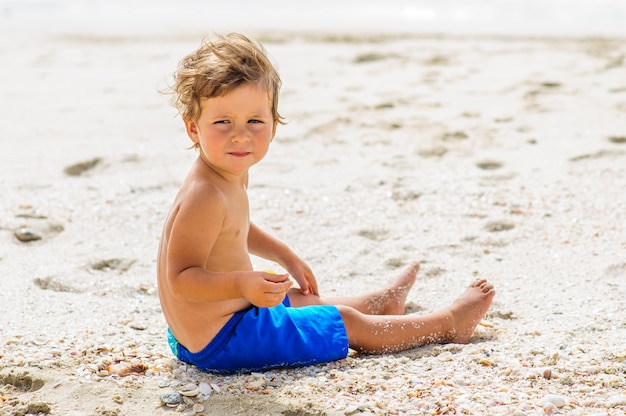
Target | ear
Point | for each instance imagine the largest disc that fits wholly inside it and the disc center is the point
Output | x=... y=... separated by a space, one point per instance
x=192 y=130
x=274 y=129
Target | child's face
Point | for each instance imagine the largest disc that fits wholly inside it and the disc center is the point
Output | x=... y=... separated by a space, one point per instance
x=234 y=130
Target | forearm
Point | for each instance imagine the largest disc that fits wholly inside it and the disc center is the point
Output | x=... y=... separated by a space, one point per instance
x=263 y=245
x=196 y=284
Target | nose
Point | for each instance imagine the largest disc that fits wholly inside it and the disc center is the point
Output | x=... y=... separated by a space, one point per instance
x=240 y=134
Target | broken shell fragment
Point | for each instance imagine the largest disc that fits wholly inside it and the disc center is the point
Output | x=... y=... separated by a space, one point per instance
x=132 y=369
x=190 y=390
x=205 y=389
x=256 y=384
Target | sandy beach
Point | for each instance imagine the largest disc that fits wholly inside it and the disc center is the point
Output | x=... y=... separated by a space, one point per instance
x=480 y=156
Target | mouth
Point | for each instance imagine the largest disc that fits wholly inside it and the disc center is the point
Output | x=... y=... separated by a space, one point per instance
x=239 y=154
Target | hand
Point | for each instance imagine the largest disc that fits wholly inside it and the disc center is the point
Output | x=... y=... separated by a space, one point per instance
x=302 y=274
x=265 y=290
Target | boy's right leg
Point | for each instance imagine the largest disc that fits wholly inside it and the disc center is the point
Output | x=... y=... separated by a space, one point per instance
x=388 y=300
x=454 y=324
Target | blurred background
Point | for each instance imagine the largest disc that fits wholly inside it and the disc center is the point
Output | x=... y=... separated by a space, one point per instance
x=517 y=17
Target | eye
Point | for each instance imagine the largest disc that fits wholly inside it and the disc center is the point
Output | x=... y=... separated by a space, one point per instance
x=221 y=122
x=255 y=121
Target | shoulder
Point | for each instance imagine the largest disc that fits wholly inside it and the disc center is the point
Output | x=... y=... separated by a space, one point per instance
x=201 y=197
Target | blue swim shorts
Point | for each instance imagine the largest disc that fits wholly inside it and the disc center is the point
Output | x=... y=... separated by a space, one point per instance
x=259 y=339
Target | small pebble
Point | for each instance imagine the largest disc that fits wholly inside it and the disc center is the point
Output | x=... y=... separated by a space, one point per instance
x=171 y=399
x=26 y=235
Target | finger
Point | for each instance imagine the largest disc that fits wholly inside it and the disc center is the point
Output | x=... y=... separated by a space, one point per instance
x=312 y=285
x=279 y=287
x=276 y=278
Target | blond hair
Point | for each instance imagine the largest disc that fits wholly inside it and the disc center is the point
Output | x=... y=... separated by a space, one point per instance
x=217 y=67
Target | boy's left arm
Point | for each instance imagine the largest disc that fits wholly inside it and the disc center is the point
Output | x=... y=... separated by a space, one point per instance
x=264 y=245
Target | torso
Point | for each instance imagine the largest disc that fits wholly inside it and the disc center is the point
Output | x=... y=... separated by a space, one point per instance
x=195 y=324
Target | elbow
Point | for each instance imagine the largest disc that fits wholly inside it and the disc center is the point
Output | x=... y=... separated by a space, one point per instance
x=176 y=284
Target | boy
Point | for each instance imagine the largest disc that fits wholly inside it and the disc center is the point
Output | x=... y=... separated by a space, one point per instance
x=225 y=317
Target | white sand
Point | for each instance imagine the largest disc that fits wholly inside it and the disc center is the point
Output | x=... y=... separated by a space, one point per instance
x=492 y=157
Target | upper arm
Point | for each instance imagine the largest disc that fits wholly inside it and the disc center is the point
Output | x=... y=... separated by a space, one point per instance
x=195 y=228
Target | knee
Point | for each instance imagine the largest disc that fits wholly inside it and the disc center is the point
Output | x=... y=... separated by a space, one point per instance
x=353 y=322
x=348 y=314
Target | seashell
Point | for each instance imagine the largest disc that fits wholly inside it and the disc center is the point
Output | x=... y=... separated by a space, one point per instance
x=485 y=323
x=216 y=388
x=205 y=389
x=445 y=356
x=616 y=401
x=39 y=341
x=485 y=362
x=171 y=399
x=554 y=400
x=190 y=390
x=102 y=372
x=198 y=408
x=255 y=384
x=132 y=369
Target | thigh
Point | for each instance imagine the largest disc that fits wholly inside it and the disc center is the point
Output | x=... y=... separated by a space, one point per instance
x=289 y=337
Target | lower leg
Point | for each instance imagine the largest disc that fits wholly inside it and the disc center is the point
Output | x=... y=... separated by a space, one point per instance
x=456 y=323
x=386 y=301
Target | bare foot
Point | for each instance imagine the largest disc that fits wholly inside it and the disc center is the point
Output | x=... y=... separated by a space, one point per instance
x=391 y=299
x=468 y=309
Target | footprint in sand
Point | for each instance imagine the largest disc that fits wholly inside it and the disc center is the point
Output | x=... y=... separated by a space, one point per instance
x=616 y=270
x=50 y=283
x=454 y=136
x=489 y=165
x=80 y=168
x=434 y=272
x=497 y=226
x=502 y=315
x=617 y=139
x=21 y=382
x=435 y=151
x=107 y=265
x=371 y=57
x=374 y=235
x=597 y=155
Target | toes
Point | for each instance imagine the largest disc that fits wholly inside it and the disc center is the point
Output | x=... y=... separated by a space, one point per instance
x=478 y=283
x=483 y=285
